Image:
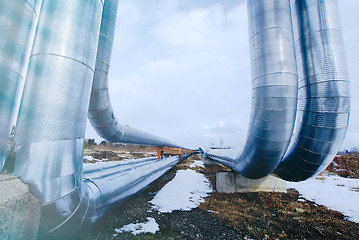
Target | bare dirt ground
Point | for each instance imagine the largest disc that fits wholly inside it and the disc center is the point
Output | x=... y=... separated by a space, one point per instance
x=233 y=216
x=345 y=166
x=278 y=215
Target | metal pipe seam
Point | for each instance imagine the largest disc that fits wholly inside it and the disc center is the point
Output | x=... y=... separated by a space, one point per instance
x=324 y=101
x=35 y=5
x=63 y=56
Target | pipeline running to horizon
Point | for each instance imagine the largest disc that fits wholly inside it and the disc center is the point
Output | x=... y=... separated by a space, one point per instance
x=61 y=50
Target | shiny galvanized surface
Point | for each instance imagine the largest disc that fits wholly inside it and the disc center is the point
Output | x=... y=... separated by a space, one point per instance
x=51 y=123
x=17 y=21
x=100 y=113
x=115 y=183
x=324 y=90
x=52 y=115
x=104 y=185
x=274 y=89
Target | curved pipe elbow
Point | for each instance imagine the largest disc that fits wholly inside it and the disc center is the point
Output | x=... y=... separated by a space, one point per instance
x=274 y=89
x=324 y=90
x=100 y=113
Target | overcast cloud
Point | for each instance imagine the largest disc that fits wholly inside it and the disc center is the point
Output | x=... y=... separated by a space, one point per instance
x=180 y=69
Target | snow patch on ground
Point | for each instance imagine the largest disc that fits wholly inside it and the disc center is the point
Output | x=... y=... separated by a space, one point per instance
x=211 y=211
x=337 y=193
x=197 y=163
x=150 y=226
x=90 y=158
x=184 y=192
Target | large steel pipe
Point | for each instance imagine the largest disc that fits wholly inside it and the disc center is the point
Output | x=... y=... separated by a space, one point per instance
x=51 y=123
x=324 y=89
x=52 y=117
x=100 y=113
x=17 y=20
x=118 y=180
x=274 y=89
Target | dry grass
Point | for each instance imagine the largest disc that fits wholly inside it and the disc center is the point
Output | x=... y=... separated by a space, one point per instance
x=345 y=166
x=277 y=215
x=256 y=215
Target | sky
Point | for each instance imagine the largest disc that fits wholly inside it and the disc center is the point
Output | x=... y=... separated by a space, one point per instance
x=180 y=69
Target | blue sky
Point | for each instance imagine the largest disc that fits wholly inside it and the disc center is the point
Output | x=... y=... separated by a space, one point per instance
x=180 y=69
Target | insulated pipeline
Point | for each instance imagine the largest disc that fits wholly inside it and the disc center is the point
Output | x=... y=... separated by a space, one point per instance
x=324 y=90
x=18 y=19
x=274 y=89
x=51 y=122
x=100 y=113
x=52 y=117
x=112 y=184
x=68 y=71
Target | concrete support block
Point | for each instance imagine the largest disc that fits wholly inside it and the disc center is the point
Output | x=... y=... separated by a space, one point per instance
x=19 y=210
x=231 y=182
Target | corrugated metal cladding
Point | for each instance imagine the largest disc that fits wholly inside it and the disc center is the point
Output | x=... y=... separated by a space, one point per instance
x=294 y=42
x=299 y=117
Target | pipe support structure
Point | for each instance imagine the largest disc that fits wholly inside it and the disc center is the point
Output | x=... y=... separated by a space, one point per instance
x=17 y=22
